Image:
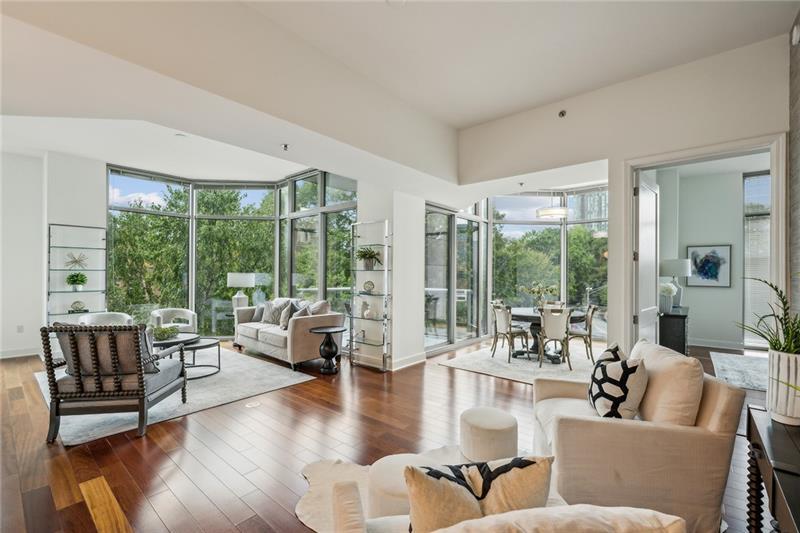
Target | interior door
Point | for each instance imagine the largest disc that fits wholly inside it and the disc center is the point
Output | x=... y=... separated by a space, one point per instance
x=646 y=257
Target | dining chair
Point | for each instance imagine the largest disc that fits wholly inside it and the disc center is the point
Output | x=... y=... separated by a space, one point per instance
x=506 y=330
x=584 y=331
x=494 y=322
x=555 y=327
x=554 y=304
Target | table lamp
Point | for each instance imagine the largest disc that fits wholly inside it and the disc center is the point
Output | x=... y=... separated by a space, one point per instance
x=241 y=280
x=676 y=268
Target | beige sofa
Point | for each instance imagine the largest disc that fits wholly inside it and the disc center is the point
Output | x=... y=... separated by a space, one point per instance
x=293 y=345
x=676 y=469
x=348 y=516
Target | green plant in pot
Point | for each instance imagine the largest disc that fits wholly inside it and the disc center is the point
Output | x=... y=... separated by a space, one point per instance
x=77 y=280
x=163 y=334
x=781 y=330
x=369 y=256
x=539 y=291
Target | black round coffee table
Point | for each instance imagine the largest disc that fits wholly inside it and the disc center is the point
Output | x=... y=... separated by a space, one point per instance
x=328 y=350
x=180 y=338
x=191 y=343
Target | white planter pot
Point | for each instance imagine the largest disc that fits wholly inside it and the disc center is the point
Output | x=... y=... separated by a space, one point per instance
x=783 y=401
x=77 y=288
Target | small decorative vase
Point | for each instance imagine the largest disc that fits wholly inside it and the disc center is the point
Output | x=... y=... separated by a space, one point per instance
x=783 y=402
x=77 y=288
x=369 y=264
x=364 y=309
x=665 y=303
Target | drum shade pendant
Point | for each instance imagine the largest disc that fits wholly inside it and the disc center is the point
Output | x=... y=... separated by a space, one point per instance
x=552 y=212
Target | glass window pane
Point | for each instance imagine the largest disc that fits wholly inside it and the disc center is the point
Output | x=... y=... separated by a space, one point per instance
x=437 y=273
x=757 y=194
x=466 y=279
x=757 y=296
x=587 y=270
x=592 y=205
x=522 y=208
x=338 y=258
x=283 y=191
x=148 y=259
x=230 y=246
x=524 y=255
x=484 y=275
x=283 y=258
x=225 y=201
x=306 y=193
x=305 y=251
x=339 y=189
x=142 y=193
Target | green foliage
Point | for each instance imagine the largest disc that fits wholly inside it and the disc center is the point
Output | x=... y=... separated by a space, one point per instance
x=368 y=254
x=77 y=278
x=540 y=291
x=780 y=328
x=163 y=334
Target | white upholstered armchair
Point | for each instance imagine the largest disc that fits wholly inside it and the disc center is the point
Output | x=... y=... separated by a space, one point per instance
x=679 y=469
x=163 y=318
x=106 y=319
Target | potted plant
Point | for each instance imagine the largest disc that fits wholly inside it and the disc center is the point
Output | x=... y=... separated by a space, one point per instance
x=164 y=334
x=77 y=280
x=370 y=256
x=781 y=330
x=539 y=292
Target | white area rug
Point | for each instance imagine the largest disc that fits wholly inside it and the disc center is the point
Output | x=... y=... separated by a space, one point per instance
x=521 y=368
x=241 y=376
x=745 y=371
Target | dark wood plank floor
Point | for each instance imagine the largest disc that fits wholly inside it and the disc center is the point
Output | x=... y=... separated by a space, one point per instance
x=237 y=467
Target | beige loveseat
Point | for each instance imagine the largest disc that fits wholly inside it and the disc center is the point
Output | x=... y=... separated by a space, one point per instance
x=676 y=469
x=293 y=345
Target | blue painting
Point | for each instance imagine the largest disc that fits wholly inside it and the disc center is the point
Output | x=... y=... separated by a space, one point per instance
x=711 y=266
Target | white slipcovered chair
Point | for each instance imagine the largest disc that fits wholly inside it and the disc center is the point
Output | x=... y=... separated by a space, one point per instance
x=555 y=327
x=106 y=319
x=671 y=460
x=164 y=318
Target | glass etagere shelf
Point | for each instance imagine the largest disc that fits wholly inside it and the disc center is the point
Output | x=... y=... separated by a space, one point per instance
x=369 y=308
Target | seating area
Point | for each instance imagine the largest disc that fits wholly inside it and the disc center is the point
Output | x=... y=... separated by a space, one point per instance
x=373 y=267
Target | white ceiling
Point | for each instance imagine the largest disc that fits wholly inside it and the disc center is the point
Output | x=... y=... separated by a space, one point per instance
x=142 y=145
x=469 y=62
x=728 y=165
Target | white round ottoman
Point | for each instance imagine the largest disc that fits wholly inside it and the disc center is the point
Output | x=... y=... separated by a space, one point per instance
x=488 y=434
x=388 y=494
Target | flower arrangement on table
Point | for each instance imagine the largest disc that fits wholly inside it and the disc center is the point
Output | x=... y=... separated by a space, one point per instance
x=539 y=291
x=164 y=334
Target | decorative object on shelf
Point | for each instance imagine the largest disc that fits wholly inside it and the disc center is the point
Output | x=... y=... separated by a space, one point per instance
x=241 y=280
x=164 y=334
x=711 y=265
x=76 y=261
x=676 y=268
x=369 y=287
x=370 y=256
x=540 y=292
x=667 y=292
x=77 y=306
x=781 y=330
x=77 y=280
x=365 y=310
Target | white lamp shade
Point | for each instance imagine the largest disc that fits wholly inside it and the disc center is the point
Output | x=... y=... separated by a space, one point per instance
x=241 y=279
x=676 y=268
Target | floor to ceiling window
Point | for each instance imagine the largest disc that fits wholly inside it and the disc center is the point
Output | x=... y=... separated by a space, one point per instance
x=148 y=243
x=234 y=232
x=565 y=252
x=757 y=207
x=455 y=274
x=272 y=231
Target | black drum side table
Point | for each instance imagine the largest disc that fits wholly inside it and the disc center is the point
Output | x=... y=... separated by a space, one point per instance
x=328 y=350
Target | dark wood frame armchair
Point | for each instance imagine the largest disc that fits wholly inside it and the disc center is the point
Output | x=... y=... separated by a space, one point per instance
x=106 y=392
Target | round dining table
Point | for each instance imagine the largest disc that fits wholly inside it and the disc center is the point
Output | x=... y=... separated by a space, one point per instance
x=530 y=315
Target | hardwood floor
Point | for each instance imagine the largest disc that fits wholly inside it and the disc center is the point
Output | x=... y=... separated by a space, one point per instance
x=237 y=467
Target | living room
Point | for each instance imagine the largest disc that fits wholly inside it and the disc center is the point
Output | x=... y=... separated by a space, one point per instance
x=229 y=304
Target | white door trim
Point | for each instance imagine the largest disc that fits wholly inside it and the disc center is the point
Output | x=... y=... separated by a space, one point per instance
x=779 y=224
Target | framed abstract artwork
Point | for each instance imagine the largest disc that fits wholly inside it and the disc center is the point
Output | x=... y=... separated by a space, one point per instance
x=711 y=265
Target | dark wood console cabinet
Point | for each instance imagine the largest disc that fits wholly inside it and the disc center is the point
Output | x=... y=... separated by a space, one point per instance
x=673 y=330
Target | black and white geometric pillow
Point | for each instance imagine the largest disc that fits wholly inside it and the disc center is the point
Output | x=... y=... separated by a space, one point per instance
x=617 y=385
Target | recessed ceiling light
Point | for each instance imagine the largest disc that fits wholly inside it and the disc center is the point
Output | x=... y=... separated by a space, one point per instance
x=285 y=147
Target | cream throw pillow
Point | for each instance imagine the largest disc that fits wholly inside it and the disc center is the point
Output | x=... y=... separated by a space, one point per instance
x=674 y=385
x=446 y=495
x=273 y=310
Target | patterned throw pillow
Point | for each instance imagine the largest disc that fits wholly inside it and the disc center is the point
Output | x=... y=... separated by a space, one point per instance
x=617 y=385
x=293 y=309
x=258 y=314
x=446 y=495
x=273 y=310
x=322 y=307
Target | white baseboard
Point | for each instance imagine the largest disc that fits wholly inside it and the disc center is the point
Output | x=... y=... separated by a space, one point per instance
x=9 y=354
x=716 y=343
x=410 y=360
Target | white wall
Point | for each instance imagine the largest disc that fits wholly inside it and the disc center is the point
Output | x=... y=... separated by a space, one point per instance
x=739 y=94
x=76 y=190
x=22 y=274
x=712 y=212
